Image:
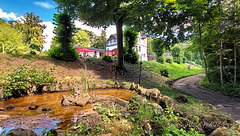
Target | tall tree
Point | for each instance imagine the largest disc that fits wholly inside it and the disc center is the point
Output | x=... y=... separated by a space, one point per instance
x=101 y=13
x=64 y=32
x=11 y=38
x=32 y=29
x=81 y=39
x=100 y=41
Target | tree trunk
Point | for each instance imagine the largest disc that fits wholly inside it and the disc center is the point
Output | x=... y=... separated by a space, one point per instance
x=120 y=66
x=3 y=47
x=235 y=61
x=221 y=65
x=203 y=54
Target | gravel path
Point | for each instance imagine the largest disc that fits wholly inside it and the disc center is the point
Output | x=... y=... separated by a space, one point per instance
x=190 y=86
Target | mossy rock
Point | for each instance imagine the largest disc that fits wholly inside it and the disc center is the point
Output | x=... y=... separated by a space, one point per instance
x=222 y=131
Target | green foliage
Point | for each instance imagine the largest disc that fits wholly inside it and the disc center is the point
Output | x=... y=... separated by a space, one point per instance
x=62 y=54
x=158 y=46
x=12 y=39
x=164 y=72
x=100 y=41
x=130 y=40
x=175 y=70
x=23 y=79
x=184 y=59
x=149 y=46
x=131 y=57
x=81 y=39
x=169 y=60
x=228 y=88
x=64 y=32
x=107 y=58
x=188 y=55
x=160 y=59
x=176 y=51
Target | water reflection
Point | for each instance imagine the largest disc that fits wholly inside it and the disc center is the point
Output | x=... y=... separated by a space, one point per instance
x=59 y=117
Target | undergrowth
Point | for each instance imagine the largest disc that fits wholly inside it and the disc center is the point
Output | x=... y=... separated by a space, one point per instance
x=228 y=88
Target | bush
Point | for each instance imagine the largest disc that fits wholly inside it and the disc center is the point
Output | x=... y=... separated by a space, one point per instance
x=228 y=88
x=169 y=60
x=184 y=59
x=160 y=59
x=179 y=60
x=164 y=72
x=63 y=54
x=22 y=80
x=130 y=41
x=131 y=57
x=107 y=58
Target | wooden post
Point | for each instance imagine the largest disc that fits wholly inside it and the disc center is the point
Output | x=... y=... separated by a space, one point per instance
x=3 y=47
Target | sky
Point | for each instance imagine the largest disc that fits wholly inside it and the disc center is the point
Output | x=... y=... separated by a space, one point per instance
x=14 y=9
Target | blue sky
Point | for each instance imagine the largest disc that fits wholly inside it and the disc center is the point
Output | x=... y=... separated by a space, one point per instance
x=44 y=8
x=14 y=9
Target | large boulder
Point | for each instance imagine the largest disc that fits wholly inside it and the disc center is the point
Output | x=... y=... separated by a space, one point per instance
x=222 y=131
x=68 y=101
x=90 y=119
x=21 y=132
x=166 y=102
x=212 y=121
x=154 y=93
x=83 y=100
x=181 y=98
x=121 y=102
x=187 y=124
x=157 y=107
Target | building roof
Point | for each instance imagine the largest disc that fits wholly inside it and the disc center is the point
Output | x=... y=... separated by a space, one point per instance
x=114 y=35
x=95 y=49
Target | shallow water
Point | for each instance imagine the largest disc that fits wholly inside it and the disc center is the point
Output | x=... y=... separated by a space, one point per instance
x=59 y=117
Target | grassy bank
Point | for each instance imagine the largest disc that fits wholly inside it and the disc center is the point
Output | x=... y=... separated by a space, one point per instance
x=104 y=73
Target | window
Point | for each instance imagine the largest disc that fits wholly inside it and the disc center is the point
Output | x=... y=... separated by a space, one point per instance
x=139 y=48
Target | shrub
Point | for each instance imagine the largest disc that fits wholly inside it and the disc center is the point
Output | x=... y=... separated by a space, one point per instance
x=62 y=54
x=22 y=80
x=107 y=58
x=164 y=72
x=131 y=57
x=160 y=59
x=169 y=60
x=130 y=40
x=184 y=59
x=179 y=59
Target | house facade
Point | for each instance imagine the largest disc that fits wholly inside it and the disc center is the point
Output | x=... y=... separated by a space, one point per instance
x=140 y=48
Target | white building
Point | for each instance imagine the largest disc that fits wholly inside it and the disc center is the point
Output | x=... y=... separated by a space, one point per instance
x=140 y=48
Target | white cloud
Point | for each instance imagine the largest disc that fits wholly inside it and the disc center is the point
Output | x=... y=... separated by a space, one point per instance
x=48 y=33
x=44 y=4
x=8 y=16
x=80 y=24
x=111 y=30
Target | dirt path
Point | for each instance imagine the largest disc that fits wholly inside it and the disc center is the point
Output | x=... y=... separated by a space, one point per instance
x=189 y=85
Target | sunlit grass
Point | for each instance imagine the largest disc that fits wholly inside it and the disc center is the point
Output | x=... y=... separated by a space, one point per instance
x=175 y=70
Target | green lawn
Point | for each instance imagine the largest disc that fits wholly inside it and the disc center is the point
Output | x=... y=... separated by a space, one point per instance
x=175 y=70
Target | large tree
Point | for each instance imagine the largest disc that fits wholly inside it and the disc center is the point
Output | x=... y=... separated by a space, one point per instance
x=100 y=41
x=11 y=39
x=103 y=13
x=81 y=39
x=32 y=28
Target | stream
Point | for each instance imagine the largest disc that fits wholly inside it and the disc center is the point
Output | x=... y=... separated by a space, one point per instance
x=60 y=117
